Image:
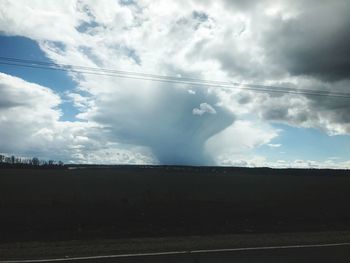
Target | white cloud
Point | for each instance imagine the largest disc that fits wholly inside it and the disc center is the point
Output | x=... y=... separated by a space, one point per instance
x=30 y=125
x=261 y=161
x=232 y=40
x=82 y=103
x=115 y=154
x=204 y=108
x=239 y=139
x=26 y=110
x=191 y=92
x=274 y=145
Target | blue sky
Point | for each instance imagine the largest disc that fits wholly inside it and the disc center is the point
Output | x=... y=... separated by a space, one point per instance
x=25 y=48
x=102 y=119
x=306 y=144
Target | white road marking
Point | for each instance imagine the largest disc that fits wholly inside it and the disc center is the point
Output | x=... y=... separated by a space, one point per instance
x=175 y=253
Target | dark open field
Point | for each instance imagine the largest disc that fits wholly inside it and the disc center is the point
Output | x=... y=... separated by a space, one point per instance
x=130 y=201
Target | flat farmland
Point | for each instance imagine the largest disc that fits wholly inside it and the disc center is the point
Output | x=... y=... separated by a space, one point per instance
x=157 y=201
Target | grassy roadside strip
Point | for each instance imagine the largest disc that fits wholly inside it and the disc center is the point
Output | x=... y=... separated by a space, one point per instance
x=75 y=248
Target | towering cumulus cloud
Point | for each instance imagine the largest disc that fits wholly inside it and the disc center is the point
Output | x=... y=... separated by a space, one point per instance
x=161 y=118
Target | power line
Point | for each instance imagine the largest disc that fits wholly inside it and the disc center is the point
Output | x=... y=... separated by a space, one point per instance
x=182 y=80
x=66 y=66
x=143 y=76
x=74 y=68
x=169 y=79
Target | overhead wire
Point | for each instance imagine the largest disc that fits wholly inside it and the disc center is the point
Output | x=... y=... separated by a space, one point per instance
x=168 y=79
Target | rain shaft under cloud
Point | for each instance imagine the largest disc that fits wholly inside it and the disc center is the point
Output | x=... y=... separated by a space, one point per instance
x=164 y=122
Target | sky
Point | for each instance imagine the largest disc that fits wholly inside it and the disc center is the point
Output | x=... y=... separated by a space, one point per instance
x=83 y=118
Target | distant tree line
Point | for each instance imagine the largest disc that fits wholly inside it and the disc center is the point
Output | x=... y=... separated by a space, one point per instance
x=14 y=161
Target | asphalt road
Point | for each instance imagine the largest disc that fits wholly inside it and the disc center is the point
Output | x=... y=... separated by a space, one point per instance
x=329 y=254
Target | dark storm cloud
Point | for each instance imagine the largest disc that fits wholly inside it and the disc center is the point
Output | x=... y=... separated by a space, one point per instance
x=308 y=40
x=330 y=114
x=166 y=124
x=236 y=64
x=275 y=113
x=315 y=42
